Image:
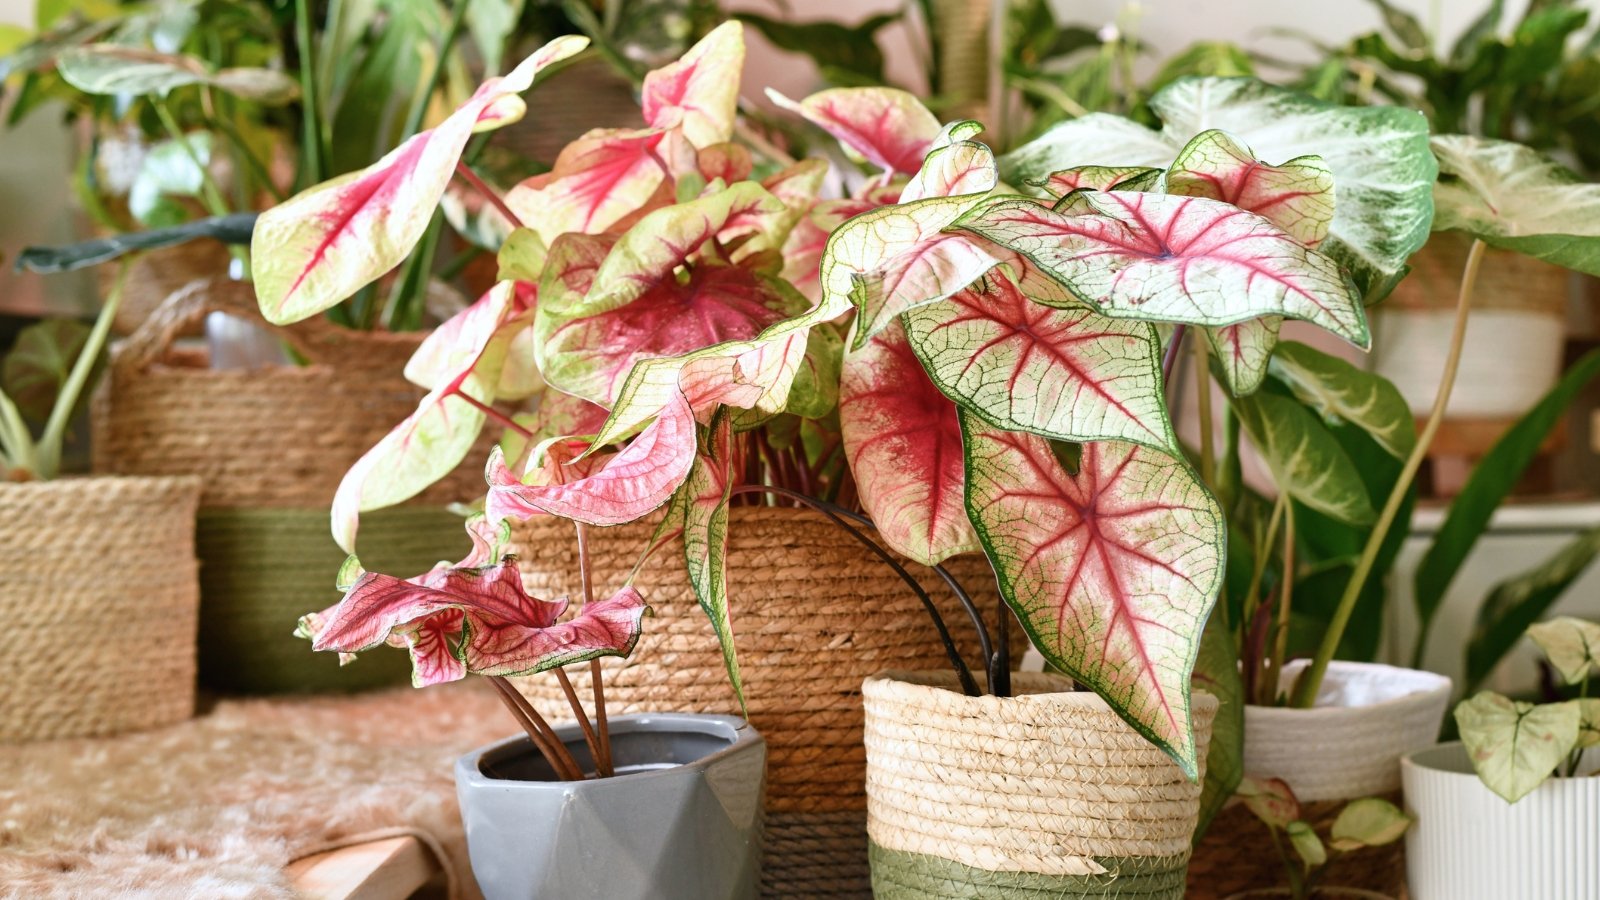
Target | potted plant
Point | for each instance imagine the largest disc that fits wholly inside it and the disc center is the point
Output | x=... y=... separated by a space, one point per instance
x=87 y=550
x=539 y=810
x=1367 y=822
x=1520 y=786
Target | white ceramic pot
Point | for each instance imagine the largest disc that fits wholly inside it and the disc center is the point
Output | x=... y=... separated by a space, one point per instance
x=1349 y=744
x=1469 y=844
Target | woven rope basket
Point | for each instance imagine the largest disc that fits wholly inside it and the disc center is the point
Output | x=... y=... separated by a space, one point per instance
x=1044 y=794
x=98 y=575
x=271 y=446
x=1506 y=280
x=813 y=614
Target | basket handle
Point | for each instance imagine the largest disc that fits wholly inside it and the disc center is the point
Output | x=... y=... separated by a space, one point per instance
x=188 y=306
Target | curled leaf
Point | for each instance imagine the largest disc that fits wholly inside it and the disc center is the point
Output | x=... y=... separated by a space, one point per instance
x=1270 y=799
x=1368 y=822
x=888 y=127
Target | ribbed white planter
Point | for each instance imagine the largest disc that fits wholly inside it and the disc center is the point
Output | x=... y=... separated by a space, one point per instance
x=1468 y=844
x=1348 y=745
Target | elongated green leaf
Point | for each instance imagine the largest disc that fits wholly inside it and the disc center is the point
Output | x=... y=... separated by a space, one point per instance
x=1499 y=470
x=1515 y=198
x=705 y=538
x=832 y=46
x=1518 y=602
x=113 y=69
x=1068 y=374
x=1571 y=645
x=1340 y=392
x=1216 y=671
x=1382 y=170
x=1306 y=844
x=1305 y=459
x=229 y=229
x=1112 y=570
x=1515 y=746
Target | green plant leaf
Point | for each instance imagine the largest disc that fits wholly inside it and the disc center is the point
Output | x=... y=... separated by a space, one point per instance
x=1382 y=170
x=844 y=48
x=1572 y=646
x=169 y=169
x=1405 y=26
x=1491 y=480
x=1515 y=746
x=1588 y=722
x=230 y=229
x=1368 y=822
x=1216 y=671
x=1341 y=392
x=1271 y=800
x=1112 y=570
x=1305 y=459
x=114 y=69
x=1306 y=844
x=1515 y=198
x=1208 y=58
x=705 y=538
x=1516 y=603
x=40 y=360
x=1482 y=29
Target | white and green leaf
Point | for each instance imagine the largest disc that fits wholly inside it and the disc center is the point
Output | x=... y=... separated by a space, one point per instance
x=1515 y=746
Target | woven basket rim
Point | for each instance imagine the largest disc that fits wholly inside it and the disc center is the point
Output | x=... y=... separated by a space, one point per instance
x=78 y=479
x=936 y=688
x=1421 y=698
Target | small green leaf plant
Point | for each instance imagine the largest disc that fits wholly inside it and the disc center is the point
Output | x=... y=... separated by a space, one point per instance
x=1367 y=822
x=48 y=373
x=1514 y=745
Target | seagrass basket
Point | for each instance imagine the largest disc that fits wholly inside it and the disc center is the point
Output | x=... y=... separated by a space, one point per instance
x=813 y=614
x=1047 y=793
x=98 y=583
x=271 y=445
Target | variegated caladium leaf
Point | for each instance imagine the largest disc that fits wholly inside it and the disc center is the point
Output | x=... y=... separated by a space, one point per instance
x=433 y=440
x=1515 y=746
x=705 y=538
x=1296 y=196
x=1068 y=374
x=1515 y=198
x=959 y=169
x=903 y=441
x=1305 y=458
x=1572 y=646
x=1270 y=799
x=608 y=627
x=803 y=247
x=460 y=339
x=699 y=93
x=631 y=484
x=1112 y=569
x=887 y=127
x=1100 y=178
x=1176 y=259
x=1382 y=170
x=325 y=243
x=598 y=181
x=1341 y=392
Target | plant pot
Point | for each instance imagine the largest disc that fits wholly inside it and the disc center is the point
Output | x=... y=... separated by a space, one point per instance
x=1044 y=794
x=681 y=820
x=271 y=445
x=813 y=615
x=1513 y=350
x=1469 y=844
x=99 y=578
x=1348 y=746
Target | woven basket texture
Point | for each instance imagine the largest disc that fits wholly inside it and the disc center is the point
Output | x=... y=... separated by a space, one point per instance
x=1506 y=280
x=99 y=575
x=276 y=565
x=1049 y=782
x=1236 y=855
x=813 y=614
x=154 y=275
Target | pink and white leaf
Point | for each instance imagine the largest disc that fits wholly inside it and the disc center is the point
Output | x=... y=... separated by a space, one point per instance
x=1099 y=178
x=887 y=127
x=903 y=441
x=1244 y=350
x=705 y=539
x=633 y=483
x=325 y=243
x=960 y=169
x=699 y=93
x=1296 y=196
x=1112 y=570
x=598 y=181
x=608 y=627
x=1177 y=259
x=802 y=249
x=1067 y=374
x=460 y=340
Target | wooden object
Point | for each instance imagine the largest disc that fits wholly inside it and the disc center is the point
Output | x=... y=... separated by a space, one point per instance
x=388 y=869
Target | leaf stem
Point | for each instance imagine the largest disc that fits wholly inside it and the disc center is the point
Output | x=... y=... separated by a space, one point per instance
x=601 y=723
x=489 y=194
x=494 y=414
x=47 y=452
x=312 y=144
x=538 y=730
x=1280 y=651
x=1305 y=692
x=210 y=194
x=1202 y=380
x=1169 y=359
x=589 y=736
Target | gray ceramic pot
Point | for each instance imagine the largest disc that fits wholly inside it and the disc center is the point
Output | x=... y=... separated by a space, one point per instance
x=681 y=820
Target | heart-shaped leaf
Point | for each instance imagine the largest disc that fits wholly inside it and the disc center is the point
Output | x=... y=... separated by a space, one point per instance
x=1270 y=799
x=598 y=180
x=1572 y=646
x=1340 y=392
x=1305 y=458
x=1112 y=570
x=460 y=339
x=1588 y=722
x=609 y=627
x=1515 y=198
x=1243 y=352
x=1368 y=822
x=1515 y=746
x=699 y=93
x=630 y=485
x=903 y=441
x=325 y=243
x=1176 y=259
x=960 y=169
x=1068 y=374
x=1382 y=170
x=887 y=127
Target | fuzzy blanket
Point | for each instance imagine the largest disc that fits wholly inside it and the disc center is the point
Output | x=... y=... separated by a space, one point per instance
x=217 y=806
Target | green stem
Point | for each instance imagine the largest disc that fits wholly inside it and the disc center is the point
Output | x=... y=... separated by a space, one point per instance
x=252 y=162
x=48 y=451
x=419 y=109
x=210 y=194
x=1280 y=653
x=16 y=444
x=1252 y=595
x=311 y=140
x=1202 y=377
x=1305 y=691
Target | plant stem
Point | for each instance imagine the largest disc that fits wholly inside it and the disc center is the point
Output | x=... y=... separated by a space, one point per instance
x=601 y=743
x=1000 y=669
x=1280 y=651
x=210 y=194
x=1202 y=380
x=47 y=452
x=312 y=144
x=578 y=713
x=419 y=109
x=766 y=148
x=494 y=414
x=601 y=723
x=539 y=732
x=1305 y=691
x=489 y=194
x=1253 y=593
x=1169 y=359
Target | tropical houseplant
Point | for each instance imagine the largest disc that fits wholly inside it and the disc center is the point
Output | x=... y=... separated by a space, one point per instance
x=1521 y=785
x=1367 y=822
x=84 y=549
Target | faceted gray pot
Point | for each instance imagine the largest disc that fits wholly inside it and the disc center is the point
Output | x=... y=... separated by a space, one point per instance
x=681 y=819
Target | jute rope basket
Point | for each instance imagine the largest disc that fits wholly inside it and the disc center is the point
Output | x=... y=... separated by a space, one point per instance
x=271 y=445
x=813 y=614
x=98 y=578
x=1044 y=794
